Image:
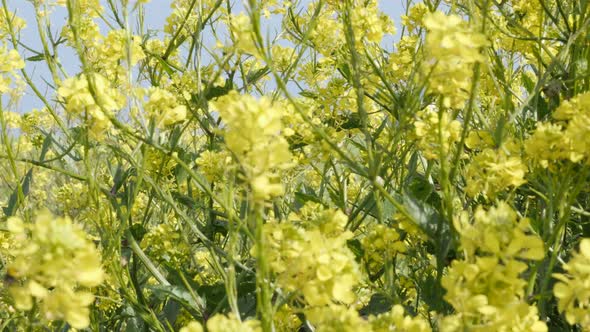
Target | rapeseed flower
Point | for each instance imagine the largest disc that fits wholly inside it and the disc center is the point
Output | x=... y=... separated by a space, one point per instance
x=96 y=106
x=54 y=264
x=573 y=288
x=452 y=48
x=253 y=133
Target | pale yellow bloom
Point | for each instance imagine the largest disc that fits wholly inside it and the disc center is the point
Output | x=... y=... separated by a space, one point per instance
x=53 y=260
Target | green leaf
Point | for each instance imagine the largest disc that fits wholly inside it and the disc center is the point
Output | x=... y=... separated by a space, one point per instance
x=13 y=203
x=12 y=206
x=46 y=144
x=420 y=188
x=432 y=223
x=177 y=293
x=356 y=247
x=432 y=295
x=165 y=65
x=528 y=83
x=352 y=121
x=247 y=294
x=134 y=324
x=184 y=200
x=36 y=58
x=344 y=69
x=217 y=91
x=378 y=304
x=424 y=215
x=138 y=231
x=499 y=131
x=118 y=179
x=308 y=94
x=301 y=198
x=253 y=77
x=213 y=295
x=171 y=311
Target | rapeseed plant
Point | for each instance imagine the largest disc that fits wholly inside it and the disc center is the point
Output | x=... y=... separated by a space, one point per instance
x=341 y=170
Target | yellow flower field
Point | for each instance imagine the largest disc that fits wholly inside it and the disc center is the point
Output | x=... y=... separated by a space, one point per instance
x=295 y=165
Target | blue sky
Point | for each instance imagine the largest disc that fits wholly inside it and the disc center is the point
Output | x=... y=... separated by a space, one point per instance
x=155 y=19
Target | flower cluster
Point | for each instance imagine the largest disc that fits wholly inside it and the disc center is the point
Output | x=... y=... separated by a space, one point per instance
x=10 y=61
x=313 y=258
x=493 y=171
x=242 y=33
x=499 y=232
x=397 y=320
x=181 y=10
x=87 y=30
x=72 y=196
x=253 y=135
x=213 y=164
x=414 y=19
x=485 y=289
x=164 y=108
x=92 y=99
x=54 y=261
x=338 y=173
x=437 y=132
x=452 y=49
x=370 y=23
x=222 y=323
x=111 y=53
x=334 y=318
x=564 y=139
x=327 y=35
x=164 y=243
x=380 y=245
x=573 y=288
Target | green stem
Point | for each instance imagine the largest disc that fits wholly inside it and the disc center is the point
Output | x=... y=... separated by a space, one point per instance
x=145 y=260
x=263 y=291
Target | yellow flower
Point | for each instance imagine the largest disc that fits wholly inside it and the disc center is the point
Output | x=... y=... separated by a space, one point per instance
x=548 y=143
x=479 y=139
x=164 y=108
x=53 y=259
x=109 y=54
x=452 y=48
x=380 y=245
x=10 y=61
x=336 y=318
x=368 y=22
x=253 y=135
x=573 y=288
x=436 y=132
x=242 y=33
x=163 y=241
x=222 y=323
x=493 y=171
x=213 y=164
x=192 y=327
x=71 y=306
x=485 y=288
x=499 y=232
x=415 y=17
x=396 y=320
x=78 y=99
x=311 y=257
x=564 y=139
x=488 y=295
x=180 y=12
x=85 y=7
